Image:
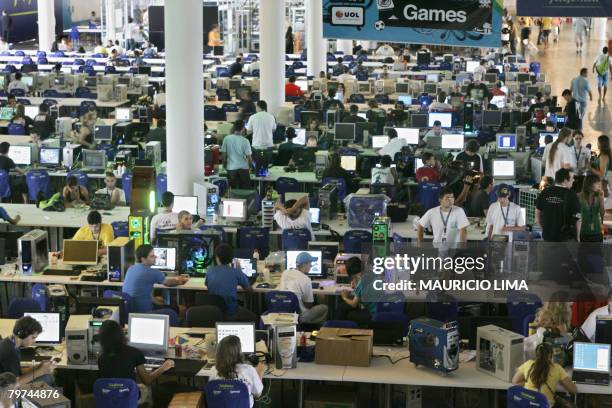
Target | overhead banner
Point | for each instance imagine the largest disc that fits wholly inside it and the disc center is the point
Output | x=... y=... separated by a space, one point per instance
x=564 y=8
x=468 y=23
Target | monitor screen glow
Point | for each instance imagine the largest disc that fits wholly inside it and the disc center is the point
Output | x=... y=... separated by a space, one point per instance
x=244 y=331
x=348 y=163
x=185 y=203
x=50 y=156
x=506 y=141
x=50 y=323
x=592 y=357
x=31 y=111
x=234 y=209
x=378 y=142
x=165 y=258
x=148 y=331
x=452 y=141
x=471 y=65
x=410 y=135
x=446 y=118
x=503 y=168
x=21 y=155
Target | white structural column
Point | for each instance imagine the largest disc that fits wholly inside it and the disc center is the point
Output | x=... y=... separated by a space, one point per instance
x=599 y=29
x=272 y=52
x=184 y=94
x=111 y=22
x=346 y=46
x=46 y=24
x=316 y=45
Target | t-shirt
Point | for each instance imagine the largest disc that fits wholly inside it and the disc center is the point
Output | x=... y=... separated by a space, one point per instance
x=478 y=91
x=222 y=280
x=580 y=159
x=382 y=175
x=580 y=88
x=236 y=148
x=121 y=363
x=9 y=357
x=110 y=193
x=499 y=217
x=470 y=162
x=262 y=124
x=293 y=90
x=588 y=327
x=602 y=64
x=160 y=99
x=163 y=222
x=480 y=203
x=555 y=213
x=17 y=85
x=302 y=221
x=299 y=283
x=562 y=155
x=285 y=152
x=427 y=171
x=555 y=375
x=572 y=111
x=85 y=234
x=248 y=375
x=479 y=72
x=455 y=221
x=394 y=146
x=369 y=306
x=580 y=25
x=6 y=163
x=139 y=281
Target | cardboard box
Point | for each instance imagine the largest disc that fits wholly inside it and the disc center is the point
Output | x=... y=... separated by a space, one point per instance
x=331 y=397
x=187 y=400
x=351 y=347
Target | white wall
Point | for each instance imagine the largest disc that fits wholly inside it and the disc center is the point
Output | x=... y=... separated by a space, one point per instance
x=81 y=9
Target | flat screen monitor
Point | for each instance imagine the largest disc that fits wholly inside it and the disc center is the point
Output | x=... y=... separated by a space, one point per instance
x=419 y=120
x=503 y=169
x=316 y=265
x=418 y=163
x=148 y=332
x=506 y=142
x=185 y=203
x=165 y=259
x=6 y=113
x=432 y=78
x=234 y=209
x=50 y=156
x=410 y=135
x=452 y=141
x=446 y=118
x=103 y=132
x=543 y=135
x=31 y=111
x=470 y=66
x=123 y=114
x=247 y=266
x=21 y=155
x=300 y=137
x=244 y=331
x=405 y=99
x=348 y=163
x=522 y=76
x=94 y=159
x=378 y=142
x=344 y=131
x=51 y=329
x=594 y=357
x=491 y=118
x=315 y=215
x=80 y=252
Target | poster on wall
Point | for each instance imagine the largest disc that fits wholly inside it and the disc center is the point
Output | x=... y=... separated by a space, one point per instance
x=469 y=23
x=564 y=8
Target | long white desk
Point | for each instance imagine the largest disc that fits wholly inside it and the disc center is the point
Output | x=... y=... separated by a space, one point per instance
x=74 y=102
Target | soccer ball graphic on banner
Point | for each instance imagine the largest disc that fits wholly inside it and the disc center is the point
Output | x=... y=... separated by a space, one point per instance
x=379 y=25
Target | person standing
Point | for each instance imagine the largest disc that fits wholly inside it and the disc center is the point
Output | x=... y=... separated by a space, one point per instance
x=557 y=154
x=581 y=155
x=129 y=34
x=448 y=222
x=481 y=201
x=6 y=22
x=504 y=216
x=289 y=41
x=591 y=209
x=602 y=66
x=558 y=209
x=602 y=164
x=214 y=40
x=580 y=27
x=236 y=157
x=262 y=124
x=571 y=111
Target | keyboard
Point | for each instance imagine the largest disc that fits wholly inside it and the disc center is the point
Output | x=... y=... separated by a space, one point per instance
x=62 y=272
x=589 y=377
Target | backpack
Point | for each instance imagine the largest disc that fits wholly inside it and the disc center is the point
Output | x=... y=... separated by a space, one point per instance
x=55 y=203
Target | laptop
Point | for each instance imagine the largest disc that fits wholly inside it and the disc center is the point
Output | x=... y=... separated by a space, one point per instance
x=591 y=363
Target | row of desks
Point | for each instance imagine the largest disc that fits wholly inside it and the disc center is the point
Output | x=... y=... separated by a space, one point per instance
x=73 y=102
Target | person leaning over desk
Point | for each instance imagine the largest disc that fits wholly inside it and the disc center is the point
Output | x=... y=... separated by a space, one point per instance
x=96 y=231
x=73 y=193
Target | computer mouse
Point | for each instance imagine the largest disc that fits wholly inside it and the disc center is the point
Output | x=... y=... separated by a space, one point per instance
x=263 y=285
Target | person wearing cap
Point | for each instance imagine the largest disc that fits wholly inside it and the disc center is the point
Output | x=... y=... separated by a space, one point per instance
x=480 y=203
x=504 y=216
x=296 y=280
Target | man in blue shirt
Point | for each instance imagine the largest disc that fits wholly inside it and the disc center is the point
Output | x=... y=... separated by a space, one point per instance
x=140 y=279
x=580 y=89
x=236 y=155
x=223 y=280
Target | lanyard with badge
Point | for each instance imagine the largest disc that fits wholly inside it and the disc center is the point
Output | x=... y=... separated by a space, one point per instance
x=505 y=216
x=577 y=154
x=445 y=222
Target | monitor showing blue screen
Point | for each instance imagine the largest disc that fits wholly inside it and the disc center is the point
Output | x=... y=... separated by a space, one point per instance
x=506 y=141
x=592 y=357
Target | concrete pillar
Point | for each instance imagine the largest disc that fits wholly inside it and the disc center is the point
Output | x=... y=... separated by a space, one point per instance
x=272 y=52
x=46 y=24
x=599 y=29
x=184 y=94
x=346 y=46
x=110 y=22
x=316 y=45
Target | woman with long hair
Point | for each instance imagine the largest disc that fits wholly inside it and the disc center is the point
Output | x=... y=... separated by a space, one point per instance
x=543 y=375
x=289 y=40
x=229 y=366
x=557 y=154
x=591 y=209
x=601 y=165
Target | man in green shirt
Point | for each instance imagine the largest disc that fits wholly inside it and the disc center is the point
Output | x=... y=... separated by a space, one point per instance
x=236 y=157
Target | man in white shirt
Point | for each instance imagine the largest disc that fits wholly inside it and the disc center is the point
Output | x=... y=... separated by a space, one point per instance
x=345 y=76
x=253 y=65
x=601 y=67
x=165 y=220
x=297 y=281
x=504 y=216
x=385 y=50
x=17 y=84
x=479 y=71
x=394 y=146
x=262 y=124
x=160 y=97
x=580 y=154
x=439 y=105
x=117 y=195
x=448 y=222
x=294 y=214
x=588 y=327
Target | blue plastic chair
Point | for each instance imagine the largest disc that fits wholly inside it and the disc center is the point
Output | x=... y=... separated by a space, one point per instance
x=109 y=69
x=120 y=228
x=521 y=397
x=354 y=241
x=51 y=93
x=86 y=106
x=39 y=294
x=222 y=72
x=58 y=54
x=296 y=239
x=24 y=101
x=19 y=53
x=357 y=98
x=5 y=185
x=173 y=316
x=340 y=184
x=19 y=306
x=395 y=303
x=124 y=309
x=18 y=92
x=27 y=61
x=520 y=305
x=287 y=185
x=116 y=393
x=382 y=99
x=126 y=185
x=341 y=324
x=42 y=61
x=228 y=107
x=211 y=112
x=41 y=53
x=394 y=317
x=82 y=179
x=84 y=92
x=38 y=180
x=251 y=238
x=223 y=94
x=278 y=301
x=227 y=394
x=441 y=307
x=428 y=195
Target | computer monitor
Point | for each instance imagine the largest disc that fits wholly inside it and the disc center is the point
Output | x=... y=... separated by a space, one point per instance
x=344 y=131
x=470 y=66
x=144 y=70
x=365 y=87
x=6 y=113
x=234 y=209
x=315 y=215
x=149 y=332
x=27 y=80
x=490 y=78
x=402 y=87
x=31 y=111
x=418 y=120
x=603 y=329
x=51 y=328
x=491 y=118
x=504 y=169
x=453 y=141
x=300 y=137
x=307 y=116
x=506 y=142
x=432 y=77
x=405 y=99
x=247 y=266
x=185 y=203
x=446 y=118
x=378 y=142
x=244 y=331
x=103 y=133
x=543 y=137
x=315 y=270
x=523 y=76
x=94 y=159
x=410 y=135
x=21 y=155
x=123 y=114
x=430 y=88
x=50 y=156
x=165 y=258
x=348 y=163
x=80 y=252
x=418 y=163
x=591 y=357
x=235 y=83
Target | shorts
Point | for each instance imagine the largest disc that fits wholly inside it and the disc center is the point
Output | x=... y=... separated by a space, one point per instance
x=579 y=35
x=602 y=80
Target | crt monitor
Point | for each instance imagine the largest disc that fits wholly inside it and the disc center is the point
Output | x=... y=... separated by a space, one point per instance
x=234 y=209
x=378 y=142
x=603 y=329
x=506 y=142
x=410 y=135
x=446 y=118
x=402 y=87
x=103 y=132
x=149 y=332
x=21 y=155
x=452 y=141
x=503 y=169
x=491 y=118
x=491 y=78
x=50 y=156
x=123 y=114
x=432 y=78
x=300 y=137
x=244 y=331
x=348 y=163
x=316 y=265
x=165 y=259
x=344 y=131
x=185 y=203
x=430 y=88
x=405 y=99
x=418 y=120
x=50 y=322
x=80 y=252
x=94 y=159
x=31 y=111
x=591 y=357
x=6 y=113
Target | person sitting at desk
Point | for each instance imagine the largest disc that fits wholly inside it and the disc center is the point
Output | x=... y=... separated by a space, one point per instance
x=339 y=67
x=433 y=137
x=497 y=90
x=440 y=105
x=96 y=231
x=236 y=157
x=74 y=193
x=20 y=118
x=7 y=164
x=294 y=214
x=43 y=125
x=504 y=216
x=165 y=220
x=429 y=172
x=100 y=48
x=448 y=222
x=589 y=325
x=140 y=278
x=254 y=65
x=25 y=332
x=11 y=101
x=394 y=146
x=85 y=136
x=398 y=116
x=185 y=222
x=285 y=150
x=358 y=311
x=480 y=70
x=353 y=115
x=543 y=375
x=332 y=102
x=223 y=279
x=235 y=68
x=116 y=195
x=377 y=115
x=385 y=50
x=229 y=365
x=383 y=173
x=345 y=76
x=359 y=68
x=472 y=161
x=17 y=84
x=138 y=59
x=481 y=201
x=246 y=105
x=296 y=280
x=158 y=134
x=334 y=170
x=293 y=90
